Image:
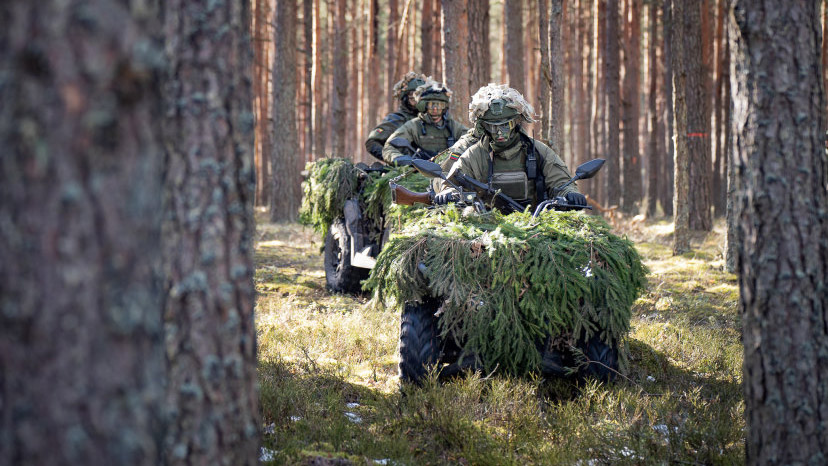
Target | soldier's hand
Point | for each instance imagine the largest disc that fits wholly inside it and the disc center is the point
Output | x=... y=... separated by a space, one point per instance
x=444 y=197
x=421 y=155
x=576 y=199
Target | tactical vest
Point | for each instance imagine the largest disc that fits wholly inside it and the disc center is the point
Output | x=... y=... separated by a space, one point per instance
x=434 y=139
x=520 y=177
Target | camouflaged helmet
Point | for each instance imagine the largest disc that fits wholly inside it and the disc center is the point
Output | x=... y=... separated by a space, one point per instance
x=408 y=83
x=498 y=102
x=431 y=90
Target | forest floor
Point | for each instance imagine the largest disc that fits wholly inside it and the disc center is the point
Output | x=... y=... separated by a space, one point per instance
x=330 y=392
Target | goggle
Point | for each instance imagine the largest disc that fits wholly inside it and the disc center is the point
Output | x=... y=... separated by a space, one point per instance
x=496 y=127
x=436 y=105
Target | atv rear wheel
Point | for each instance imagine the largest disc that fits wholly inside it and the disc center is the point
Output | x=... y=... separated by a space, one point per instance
x=340 y=275
x=602 y=359
x=419 y=340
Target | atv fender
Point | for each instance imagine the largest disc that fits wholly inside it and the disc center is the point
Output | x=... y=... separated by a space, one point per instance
x=360 y=253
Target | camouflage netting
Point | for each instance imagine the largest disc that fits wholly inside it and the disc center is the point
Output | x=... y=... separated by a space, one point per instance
x=332 y=181
x=481 y=99
x=510 y=282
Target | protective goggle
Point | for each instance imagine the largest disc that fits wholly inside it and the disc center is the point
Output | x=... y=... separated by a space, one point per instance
x=498 y=126
x=436 y=105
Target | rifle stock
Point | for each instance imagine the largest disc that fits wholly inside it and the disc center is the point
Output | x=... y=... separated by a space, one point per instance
x=402 y=196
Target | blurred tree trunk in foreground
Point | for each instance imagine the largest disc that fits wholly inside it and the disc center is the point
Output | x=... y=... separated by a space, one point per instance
x=208 y=229
x=681 y=203
x=286 y=193
x=81 y=355
x=778 y=127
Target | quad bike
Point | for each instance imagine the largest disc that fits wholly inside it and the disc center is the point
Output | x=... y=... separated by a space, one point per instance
x=423 y=345
x=355 y=239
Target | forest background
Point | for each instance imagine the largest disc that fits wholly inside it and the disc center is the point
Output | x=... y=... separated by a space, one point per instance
x=127 y=230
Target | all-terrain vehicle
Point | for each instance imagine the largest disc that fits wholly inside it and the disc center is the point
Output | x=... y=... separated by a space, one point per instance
x=352 y=201
x=557 y=323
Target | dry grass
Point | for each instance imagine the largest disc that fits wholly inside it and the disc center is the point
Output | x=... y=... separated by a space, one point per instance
x=329 y=385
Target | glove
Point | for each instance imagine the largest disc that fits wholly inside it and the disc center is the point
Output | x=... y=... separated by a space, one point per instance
x=444 y=197
x=576 y=199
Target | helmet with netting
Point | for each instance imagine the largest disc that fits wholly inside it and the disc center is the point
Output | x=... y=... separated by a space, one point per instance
x=499 y=103
x=408 y=83
x=431 y=91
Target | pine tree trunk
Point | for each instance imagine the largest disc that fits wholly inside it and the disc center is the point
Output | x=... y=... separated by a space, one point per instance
x=719 y=181
x=698 y=122
x=211 y=336
x=479 y=56
x=340 y=80
x=513 y=13
x=588 y=103
x=556 y=112
x=426 y=33
x=391 y=51
x=612 y=81
x=681 y=201
x=286 y=193
x=632 y=62
x=653 y=157
x=81 y=331
x=600 y=102
x=318 y=84
x=668 y=172
x=545 y=84
x=779 y=127
x=307 y=6
x=373 y=62
x=456 y=56
x=437 y=39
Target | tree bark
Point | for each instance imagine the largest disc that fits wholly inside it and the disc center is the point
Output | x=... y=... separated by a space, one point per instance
x=286 y=192
x=513 y=12
x=681 y=201
x=779 y=126
x=426 y=34
x=373 y=63
x=208 y=231
x=319 y=90
x=612 y=81
x=545 y=83
x=479 y=56
x=653 y=157
x=719 y=181
x=668 y=172
x=631 y=111
x=307 y=22
x=391 y=52
x=340 y=79
x=698 y=121
x=556 y=112
x=456 y=55
x=81 y=330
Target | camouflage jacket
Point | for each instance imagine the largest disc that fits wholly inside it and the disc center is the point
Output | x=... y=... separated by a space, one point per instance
x=422 y=134
x=509 y=169
x=378 y=135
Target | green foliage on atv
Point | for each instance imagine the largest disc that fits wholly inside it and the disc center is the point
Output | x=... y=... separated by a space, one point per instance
x=510 y=282
x=332 y=181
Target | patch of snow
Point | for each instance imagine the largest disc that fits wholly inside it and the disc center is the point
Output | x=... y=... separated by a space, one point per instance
x=266 y=454
x=382 y=461
x=295 y=418
x=662 y=429
x=588 y=463
x=352 y=405
x=270 y=430
x=650 y=378
x=353 y=418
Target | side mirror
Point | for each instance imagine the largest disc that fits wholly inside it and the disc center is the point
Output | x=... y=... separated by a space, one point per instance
x=402 y=143
x=428 y=168
x=588 y=169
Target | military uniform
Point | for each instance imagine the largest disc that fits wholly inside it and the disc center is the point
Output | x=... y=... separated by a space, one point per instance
x=391 y=122
x=508 y=170
x=423 y=134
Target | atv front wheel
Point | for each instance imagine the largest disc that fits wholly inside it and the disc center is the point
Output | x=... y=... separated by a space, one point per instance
x=602 y=359
x=419 y=340
x=340 y=275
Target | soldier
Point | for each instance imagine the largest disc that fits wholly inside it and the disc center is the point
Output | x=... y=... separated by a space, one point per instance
x=433 y=130
x=404 y=92
x=505 y=157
